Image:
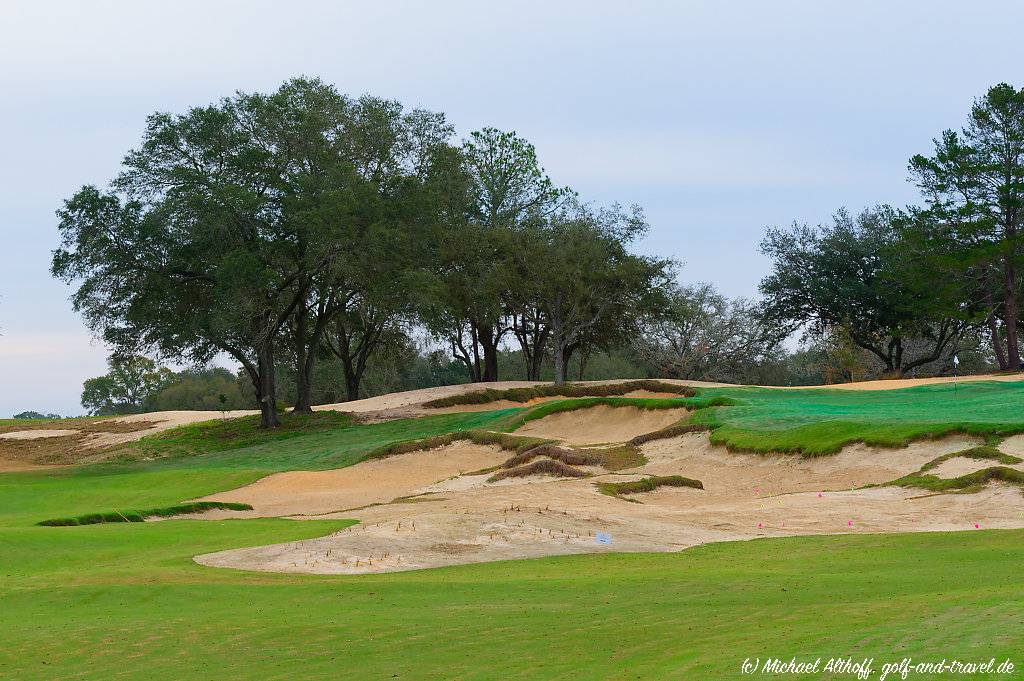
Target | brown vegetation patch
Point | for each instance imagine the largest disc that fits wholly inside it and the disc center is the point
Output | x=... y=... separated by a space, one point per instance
x=525 y=395
x=566 y=456
x=539 y=467
x=454 y=548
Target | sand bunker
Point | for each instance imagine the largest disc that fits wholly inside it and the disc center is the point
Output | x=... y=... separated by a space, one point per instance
x=469 y=519
x=36 y=434
x=601 y=424
x=370 y=482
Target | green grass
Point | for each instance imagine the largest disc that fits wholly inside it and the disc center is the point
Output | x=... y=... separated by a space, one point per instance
x=234 y=433
x=648 y=484
x=821 y=421
x=970 y=482
x=134 y=516
x=126 y=601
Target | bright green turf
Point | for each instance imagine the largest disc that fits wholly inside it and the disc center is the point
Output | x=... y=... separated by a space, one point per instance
x=333 y=448
x=822 y=421
x=126 y=601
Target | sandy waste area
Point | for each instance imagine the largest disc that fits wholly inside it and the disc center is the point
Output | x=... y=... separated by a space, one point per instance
x=434 y=508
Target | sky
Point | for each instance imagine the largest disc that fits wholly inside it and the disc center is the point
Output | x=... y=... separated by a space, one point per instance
x=719 y=118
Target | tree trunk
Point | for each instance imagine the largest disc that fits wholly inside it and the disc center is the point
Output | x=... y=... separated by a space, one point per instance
x=266 y=388
x=352 y=381
x=303 y=368
x=1010 y=315
x=997 y=341
x=489 y=344
x=558 y=341
x=559 y=363
x=584 y=356
x=533 y=365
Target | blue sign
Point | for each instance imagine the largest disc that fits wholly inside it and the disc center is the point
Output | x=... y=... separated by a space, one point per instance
x=602 y=538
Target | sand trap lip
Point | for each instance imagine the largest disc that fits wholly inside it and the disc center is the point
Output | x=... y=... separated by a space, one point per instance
x=16 y=466
x=510 y=404
x=600 y=424
x=745 y=497
x=37 y=434
x=956 y=466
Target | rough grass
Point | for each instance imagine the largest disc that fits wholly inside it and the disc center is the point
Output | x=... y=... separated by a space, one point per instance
x=140 y=516
x=567 y=456
x=648 y=484
x=564 y=390
x=674 y=430
x=983 y=452
x=539 y=467
x=617 y=458
x=234 y=433
x=967 y=484
x=513 y=443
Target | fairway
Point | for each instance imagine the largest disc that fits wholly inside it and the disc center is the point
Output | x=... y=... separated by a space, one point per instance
x=118 y=600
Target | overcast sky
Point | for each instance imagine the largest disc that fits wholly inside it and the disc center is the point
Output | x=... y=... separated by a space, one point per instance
x=718 y=118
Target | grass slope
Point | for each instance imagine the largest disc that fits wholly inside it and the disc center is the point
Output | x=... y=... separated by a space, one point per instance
x=822 y=421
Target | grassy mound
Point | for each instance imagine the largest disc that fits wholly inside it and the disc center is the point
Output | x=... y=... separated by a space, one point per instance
x=570 y=457
x=564 y=390
x=140 y=516
x=221 y=435
x=648 y=484
x=513 y=443
x=984 y=452
x=539 y=467
x=674 y=430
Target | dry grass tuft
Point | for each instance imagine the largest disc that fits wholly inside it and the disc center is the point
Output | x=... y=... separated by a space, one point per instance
x=564 y=390
x=566 y=456
x=539 y=467
x=648 y=484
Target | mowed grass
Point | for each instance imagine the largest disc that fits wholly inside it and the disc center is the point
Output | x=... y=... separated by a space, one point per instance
x=821 y=421
x=125 y=601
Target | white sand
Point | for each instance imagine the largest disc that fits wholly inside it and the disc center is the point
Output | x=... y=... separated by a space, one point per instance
x=470 y=520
